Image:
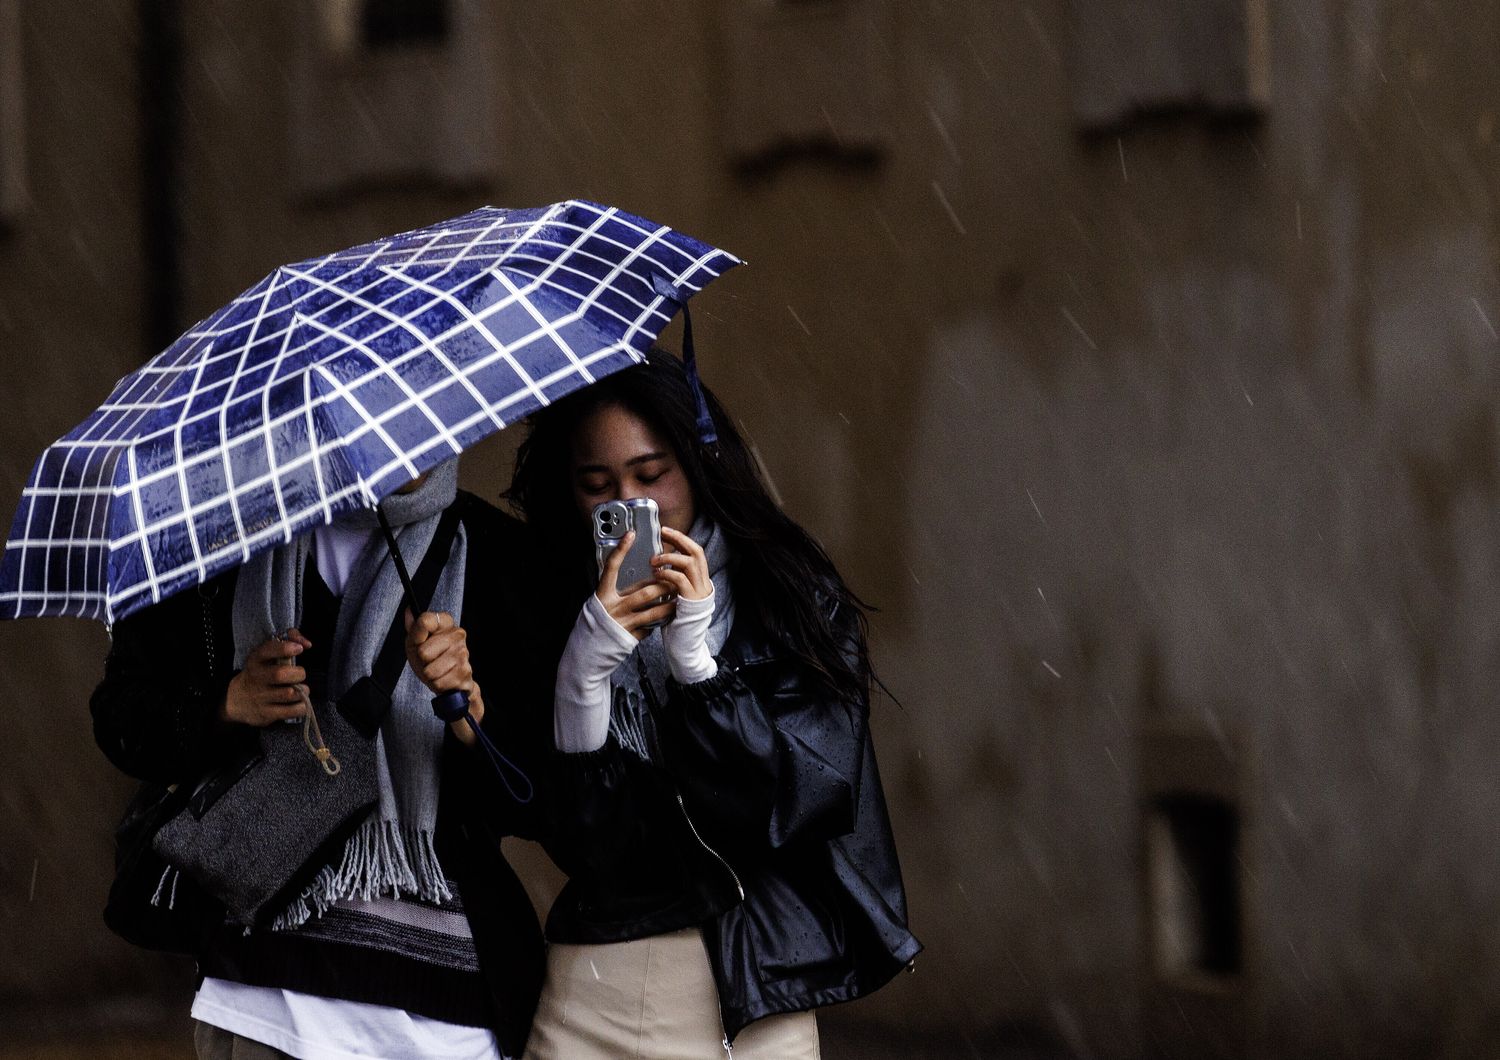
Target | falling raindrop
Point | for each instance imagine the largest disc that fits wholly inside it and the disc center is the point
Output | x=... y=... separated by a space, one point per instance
x=1037 y=509
x=1078 y=328
x=942 y=198
x=1485 y=317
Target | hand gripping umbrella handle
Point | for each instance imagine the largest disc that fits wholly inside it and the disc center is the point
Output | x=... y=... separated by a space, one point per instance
x=451 y=706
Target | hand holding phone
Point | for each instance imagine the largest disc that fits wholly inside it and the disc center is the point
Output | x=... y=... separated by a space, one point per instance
x=612 y=521
x=633 y=596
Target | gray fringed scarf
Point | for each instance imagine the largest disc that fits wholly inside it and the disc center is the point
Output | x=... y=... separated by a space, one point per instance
x=392 y=853
x=630 y=718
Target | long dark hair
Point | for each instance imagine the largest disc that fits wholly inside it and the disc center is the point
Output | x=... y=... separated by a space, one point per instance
x=780 y=574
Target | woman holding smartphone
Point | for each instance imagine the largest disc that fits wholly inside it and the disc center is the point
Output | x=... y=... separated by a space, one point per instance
x=716 y=803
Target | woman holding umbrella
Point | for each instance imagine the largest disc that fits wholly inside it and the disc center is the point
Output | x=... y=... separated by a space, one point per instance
x=715 y=798
x=411 y=936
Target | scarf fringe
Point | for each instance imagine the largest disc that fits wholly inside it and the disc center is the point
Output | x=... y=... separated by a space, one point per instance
x=629 y=724
x=381 y=860
x=646 y=670
x=161 y=888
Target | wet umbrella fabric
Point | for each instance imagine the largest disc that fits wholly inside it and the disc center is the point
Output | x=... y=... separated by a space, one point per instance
x=330 y=384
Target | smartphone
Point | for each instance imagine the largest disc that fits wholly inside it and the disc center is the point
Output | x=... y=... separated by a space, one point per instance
x=612 y=521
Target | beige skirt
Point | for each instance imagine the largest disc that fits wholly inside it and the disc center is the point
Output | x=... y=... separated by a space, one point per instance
x=651 y=999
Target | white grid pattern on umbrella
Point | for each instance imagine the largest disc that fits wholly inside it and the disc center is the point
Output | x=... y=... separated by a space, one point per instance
x=329 y=384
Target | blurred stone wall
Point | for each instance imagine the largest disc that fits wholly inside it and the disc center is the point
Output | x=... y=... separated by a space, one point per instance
x=1137 y=360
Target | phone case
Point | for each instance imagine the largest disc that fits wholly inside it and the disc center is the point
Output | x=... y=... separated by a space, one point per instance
x=612 y=521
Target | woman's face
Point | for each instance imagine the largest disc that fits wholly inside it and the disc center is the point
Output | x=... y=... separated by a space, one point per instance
x=617 y=456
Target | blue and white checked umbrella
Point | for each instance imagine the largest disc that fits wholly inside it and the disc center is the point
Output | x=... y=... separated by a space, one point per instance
x=330 y=384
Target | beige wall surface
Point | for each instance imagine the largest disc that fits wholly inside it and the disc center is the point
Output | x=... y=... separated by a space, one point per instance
x=1172 y=429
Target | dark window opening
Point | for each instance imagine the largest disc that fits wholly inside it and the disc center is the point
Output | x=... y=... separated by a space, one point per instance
x=402 y=23
x=1193 y=864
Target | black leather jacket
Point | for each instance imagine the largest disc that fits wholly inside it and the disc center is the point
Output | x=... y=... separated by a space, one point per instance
x=765 y=824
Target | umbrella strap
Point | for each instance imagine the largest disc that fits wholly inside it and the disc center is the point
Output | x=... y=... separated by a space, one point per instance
x=707 y=433
x=453 y=706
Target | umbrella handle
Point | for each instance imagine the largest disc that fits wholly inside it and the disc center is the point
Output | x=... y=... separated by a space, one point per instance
x=450 y=707
x=390 y=543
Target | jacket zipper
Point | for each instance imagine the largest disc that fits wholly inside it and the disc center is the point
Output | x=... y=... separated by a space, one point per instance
x=728 y=1049
x=653 y=706
x=694 y=828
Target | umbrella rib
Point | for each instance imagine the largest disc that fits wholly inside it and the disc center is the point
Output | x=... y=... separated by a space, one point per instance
x=66 y=491
x=267 y=432
x=426 y=342
x=498 y=349
x=202 y=348
x=182 y=484
x=343 y=391
x=313 y=444
x=300 y=272
x=72 y=529
x=386 y=369
x=182 y=425
x=541 y=259
x=239 y=371
x=547 y=217
x=519 y=296
x=432 y=346
x=551 y=329
x=140 y=518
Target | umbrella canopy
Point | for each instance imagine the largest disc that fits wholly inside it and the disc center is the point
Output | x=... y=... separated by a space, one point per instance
x=330 y=384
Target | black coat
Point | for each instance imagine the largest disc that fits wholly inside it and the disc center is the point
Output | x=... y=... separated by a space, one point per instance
x=764 y=823
x=156 y=718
